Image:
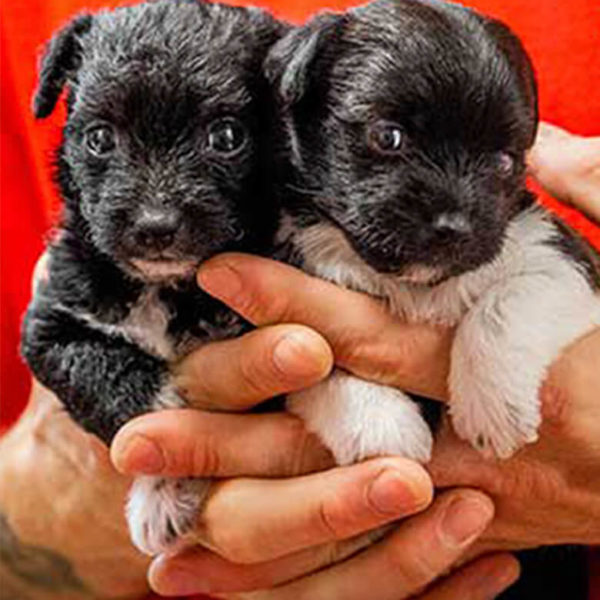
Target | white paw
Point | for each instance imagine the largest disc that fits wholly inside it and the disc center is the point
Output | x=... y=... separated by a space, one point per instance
x=357 y=419
x=495 y=415
x=162 y=511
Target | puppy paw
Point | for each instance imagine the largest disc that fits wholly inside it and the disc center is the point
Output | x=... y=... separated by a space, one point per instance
x=495 y=418
x=161 y=512
x=357 y=419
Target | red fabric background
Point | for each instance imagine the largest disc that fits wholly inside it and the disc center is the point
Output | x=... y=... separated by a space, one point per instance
x=562 y=37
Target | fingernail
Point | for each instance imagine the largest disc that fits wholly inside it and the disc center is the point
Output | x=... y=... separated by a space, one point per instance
x=391 y=493
x=220 y=280
x=464 y=519
x=300 y=354
x=139 y=454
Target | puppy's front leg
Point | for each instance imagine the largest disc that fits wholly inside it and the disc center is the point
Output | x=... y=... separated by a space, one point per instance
x=358 y=419
x=104 y=381
x=503 y=349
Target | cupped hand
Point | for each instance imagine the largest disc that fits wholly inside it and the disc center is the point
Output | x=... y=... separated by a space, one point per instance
x=279 y=511
x=548 y=493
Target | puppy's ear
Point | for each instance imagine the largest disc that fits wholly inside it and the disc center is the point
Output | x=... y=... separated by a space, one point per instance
x=519 y=60
x=62 y=56
x=288 y=64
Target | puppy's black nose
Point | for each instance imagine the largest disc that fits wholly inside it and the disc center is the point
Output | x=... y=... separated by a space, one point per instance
x=451 y=225
x=155 y=230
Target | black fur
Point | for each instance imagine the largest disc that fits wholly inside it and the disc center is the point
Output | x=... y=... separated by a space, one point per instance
x=577 y=249
x=157 y=77
x=462 y=91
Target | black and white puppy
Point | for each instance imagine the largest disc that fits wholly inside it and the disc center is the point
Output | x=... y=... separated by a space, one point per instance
x=407 y=123
x=160 y=167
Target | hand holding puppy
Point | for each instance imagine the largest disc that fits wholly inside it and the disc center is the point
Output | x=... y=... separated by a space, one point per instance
x=555 y=476
x=261 y=533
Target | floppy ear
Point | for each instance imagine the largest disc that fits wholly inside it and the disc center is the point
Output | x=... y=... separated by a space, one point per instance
x=288 y=64
x=62 y=56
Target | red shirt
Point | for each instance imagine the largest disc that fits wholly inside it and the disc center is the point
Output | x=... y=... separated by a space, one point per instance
x=562 y=38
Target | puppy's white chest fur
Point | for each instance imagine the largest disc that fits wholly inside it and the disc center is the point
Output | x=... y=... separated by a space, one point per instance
x=527 y=250
x=514 y=316
x=147 y=324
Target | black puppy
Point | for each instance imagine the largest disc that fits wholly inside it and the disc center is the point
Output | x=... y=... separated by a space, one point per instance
x=161 y=166
x=407 y=123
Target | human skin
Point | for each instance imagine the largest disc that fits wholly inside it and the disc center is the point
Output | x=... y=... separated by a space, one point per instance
x=568 y=167
x=61 y=500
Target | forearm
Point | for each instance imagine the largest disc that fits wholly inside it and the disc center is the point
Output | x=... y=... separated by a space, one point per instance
x=62 y=529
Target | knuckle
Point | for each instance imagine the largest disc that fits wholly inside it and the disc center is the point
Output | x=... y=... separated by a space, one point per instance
x=264 y=307
x=254 y=377
x=223 y=533
x=331 y=518
x=238 y=549
x=204 y=458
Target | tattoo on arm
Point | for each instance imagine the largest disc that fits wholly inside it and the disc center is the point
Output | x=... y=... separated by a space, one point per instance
x=38 y=567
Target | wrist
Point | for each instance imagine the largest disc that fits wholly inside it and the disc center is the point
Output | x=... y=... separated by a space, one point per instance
x=61 y=511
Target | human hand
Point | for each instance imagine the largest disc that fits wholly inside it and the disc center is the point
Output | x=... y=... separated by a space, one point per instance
x=260 y=533
x=568 y=166
x=274 y=534
x=418 y=552
x=265 y=531
x=548 y=493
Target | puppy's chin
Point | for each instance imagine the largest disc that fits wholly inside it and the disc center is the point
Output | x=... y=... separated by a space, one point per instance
x=157 y=271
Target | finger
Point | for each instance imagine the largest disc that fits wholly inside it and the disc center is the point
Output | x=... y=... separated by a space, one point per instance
x=568 y=167
x=404 y=563
x=253 y=520
x=364 y=337
x=199 y=571
x=483 y=579
x=239 y=373
x=192 y=443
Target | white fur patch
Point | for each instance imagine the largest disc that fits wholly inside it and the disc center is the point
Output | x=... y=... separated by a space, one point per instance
x=515 y=315
x=145 y=325
x=162 y=513
x=358 y=419
x=160 y=270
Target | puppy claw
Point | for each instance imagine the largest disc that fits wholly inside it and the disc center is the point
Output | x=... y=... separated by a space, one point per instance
x=162 y=513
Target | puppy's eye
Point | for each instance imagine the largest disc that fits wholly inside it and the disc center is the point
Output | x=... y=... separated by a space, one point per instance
x=385 y=137
x=100 y=140
x=505 y=164
x=227 y=136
